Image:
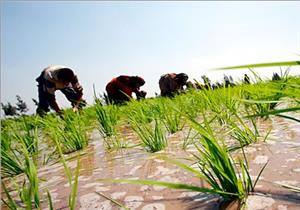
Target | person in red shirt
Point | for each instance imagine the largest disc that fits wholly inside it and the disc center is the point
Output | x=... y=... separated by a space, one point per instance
x=61 y=78
x=120 y=89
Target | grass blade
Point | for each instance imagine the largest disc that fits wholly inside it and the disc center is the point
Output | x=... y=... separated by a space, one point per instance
x=259 y=65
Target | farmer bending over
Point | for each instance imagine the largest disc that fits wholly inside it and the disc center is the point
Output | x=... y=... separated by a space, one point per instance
x=120 y=89
x=172 y=83
x=60 y=78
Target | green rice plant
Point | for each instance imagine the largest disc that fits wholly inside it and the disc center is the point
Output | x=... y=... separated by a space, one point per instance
x=279 y=113
x=89 y=117
x=10 y=203
x=267 y=107
x=71 y=131
x=141 y=111
x=50 y=200
x=114 y=142
x=262 y=65
x=263 y=98
x=11 y=165
x=24 y=130
x=107 y=117
x=190 y=103
x=240 y=130
x=11 y=161
x=153 y=138
x=220 y=102
x=289 y=87
x=187 y=140
x=227 y=177
x=73 y=181
x=74 y=134
x=33 y=185
x=219 y=168
x=29 y=190
x=172 y=118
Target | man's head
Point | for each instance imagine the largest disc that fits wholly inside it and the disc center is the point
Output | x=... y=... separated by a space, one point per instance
x=181 y=78
x=65 y=75
x=136 y=81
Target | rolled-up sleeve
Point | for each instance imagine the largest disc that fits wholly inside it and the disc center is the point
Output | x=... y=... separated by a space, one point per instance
x=76 y=85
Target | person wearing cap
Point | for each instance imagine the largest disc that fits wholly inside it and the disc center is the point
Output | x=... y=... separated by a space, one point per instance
x=120 y=89
x=172 y=83
x=58 y=77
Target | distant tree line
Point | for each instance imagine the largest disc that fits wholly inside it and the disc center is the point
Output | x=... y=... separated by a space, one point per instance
x=19 y=109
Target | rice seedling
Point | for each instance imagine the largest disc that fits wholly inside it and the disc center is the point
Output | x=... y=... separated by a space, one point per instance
x=50 y=200
x=278 y=113
x=187 y=140
x=290 y=90
x=267 y=104
x=170 y=115
x=240 y=130
x=10 y=203
x=71 y=130
x=74 y=136
x=73 y=181
x=107 y=118
x=226 y=177
x=191 y=103
x=11 y=162
x=29 y=190
x=263 y=98
x=25 y=131
x=153 y=138
x=114 y=142
x=262 y=65
x=11 y=165
x=141 y=111
x=214 y=101
x=33 y=185
x=219 y=168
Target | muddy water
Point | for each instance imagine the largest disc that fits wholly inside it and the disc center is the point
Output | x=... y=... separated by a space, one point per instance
x=281 y=150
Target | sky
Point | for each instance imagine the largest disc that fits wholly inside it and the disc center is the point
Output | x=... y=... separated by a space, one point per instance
x=100 y=40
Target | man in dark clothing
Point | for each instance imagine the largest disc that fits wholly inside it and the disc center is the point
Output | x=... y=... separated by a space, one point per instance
x=60 y=78
x=120 y=89
x=246 y=79
x=275 y=77
x=172 y=83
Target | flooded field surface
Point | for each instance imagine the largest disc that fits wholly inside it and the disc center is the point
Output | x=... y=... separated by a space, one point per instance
x=280 y=150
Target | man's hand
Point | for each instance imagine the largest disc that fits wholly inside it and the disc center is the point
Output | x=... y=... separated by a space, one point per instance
x=75 y=108
x=141 y=94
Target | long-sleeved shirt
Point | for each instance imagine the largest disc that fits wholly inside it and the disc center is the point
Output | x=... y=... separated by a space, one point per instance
x=168 y=84
x=52 y=83
x=122 y=83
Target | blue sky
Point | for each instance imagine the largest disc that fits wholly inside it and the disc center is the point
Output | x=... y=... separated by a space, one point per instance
x=102 y=39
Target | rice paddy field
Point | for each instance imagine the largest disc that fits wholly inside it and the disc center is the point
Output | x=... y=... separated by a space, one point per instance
x=228 y=148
